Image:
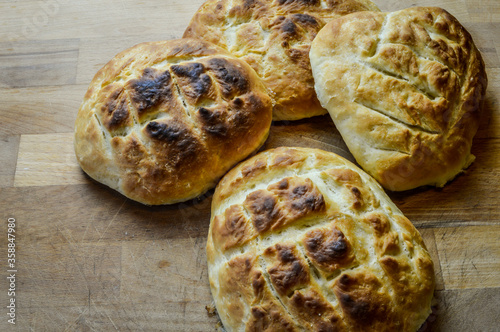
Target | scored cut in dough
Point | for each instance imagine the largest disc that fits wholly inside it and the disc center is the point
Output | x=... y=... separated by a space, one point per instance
x=405 y=89
x=301 y=239
x=274 y=37
x=163 y=121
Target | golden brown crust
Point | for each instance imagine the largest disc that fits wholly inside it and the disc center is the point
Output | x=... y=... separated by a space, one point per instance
x=274 y=38
x=405 y=89
x=163 y=121
x=308 y=253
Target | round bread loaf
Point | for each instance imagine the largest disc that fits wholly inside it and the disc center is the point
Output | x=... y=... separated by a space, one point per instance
x=302 y=240
x=405 y=90
x=274 y=37
x=163 y=121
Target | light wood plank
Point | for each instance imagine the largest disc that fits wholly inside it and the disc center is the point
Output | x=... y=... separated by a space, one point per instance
x=151 y=269
x=46 y=160
x=9 y=146
x=430 y=242
x=483 y=10
x=38 y=63
x=40 y=110
x=456 y=8
x=165 y=316
x=469 y=256
x=30 y=19
x=74 y=274
x=93 y=213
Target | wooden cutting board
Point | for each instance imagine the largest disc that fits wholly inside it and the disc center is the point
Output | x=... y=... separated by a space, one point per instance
x=87 y=259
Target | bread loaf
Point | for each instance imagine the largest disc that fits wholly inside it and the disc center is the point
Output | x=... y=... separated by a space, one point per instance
x=405 y=90
x=163 y=121
x=303 y=240
x=274 y=37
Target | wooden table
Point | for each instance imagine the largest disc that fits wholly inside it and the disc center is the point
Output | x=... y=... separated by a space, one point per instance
x=87 y=259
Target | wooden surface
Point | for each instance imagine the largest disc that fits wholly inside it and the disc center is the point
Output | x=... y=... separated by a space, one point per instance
x=88 y=259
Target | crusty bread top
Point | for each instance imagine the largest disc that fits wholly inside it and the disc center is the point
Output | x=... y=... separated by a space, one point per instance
x=405 y=89
x=163 y=121
x=303 y=240
x=274 y=37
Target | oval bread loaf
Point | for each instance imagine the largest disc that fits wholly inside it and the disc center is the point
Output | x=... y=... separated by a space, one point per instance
x=163 y=121
x=405 y=89
x=302 y=240
x=274 y=37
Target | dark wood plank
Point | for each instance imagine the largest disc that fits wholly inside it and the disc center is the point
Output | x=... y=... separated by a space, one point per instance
x=466 y=310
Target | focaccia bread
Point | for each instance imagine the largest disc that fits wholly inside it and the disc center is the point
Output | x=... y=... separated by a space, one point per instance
x=274 y=37
x=163 y=121
x=405 y=90
x=303 y=240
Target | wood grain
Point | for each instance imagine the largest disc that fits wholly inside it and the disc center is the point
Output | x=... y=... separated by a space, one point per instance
x=469 y=256
x=88 y=259
x=48 y=159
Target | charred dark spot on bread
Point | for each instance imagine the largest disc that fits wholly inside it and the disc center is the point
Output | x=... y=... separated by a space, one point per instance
x=249 y=3
x=191 y=70
x=328 y=248
x=120 y=114
x=387 y=242
x=379 y=223
x=258 y=313
x=233 y=80
x=357 y=198
x=358 y=309
x=254 y=103
x=361 y=298
x=115 y=112
x=205 y=114
x=289 y=27
x=213 y=121
x=233 y=228
x=250 y=171
x=287 y=158
x=238 y=102
x=194 y=82
x=289 y=271
x=391 y=266
x=269 y=317
x=130 y=149
x=304 y=200
x=163 y=131
x=246 y=8
x=180 y=145
x=297 y=55
x=238 y=271
x=313 y=305
x=266 y=313
x=315 y=310
x=301 y=2
x=306 y=20
x=299 y=197
x=258 y=283
x=262 y=207
x=150 y=90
